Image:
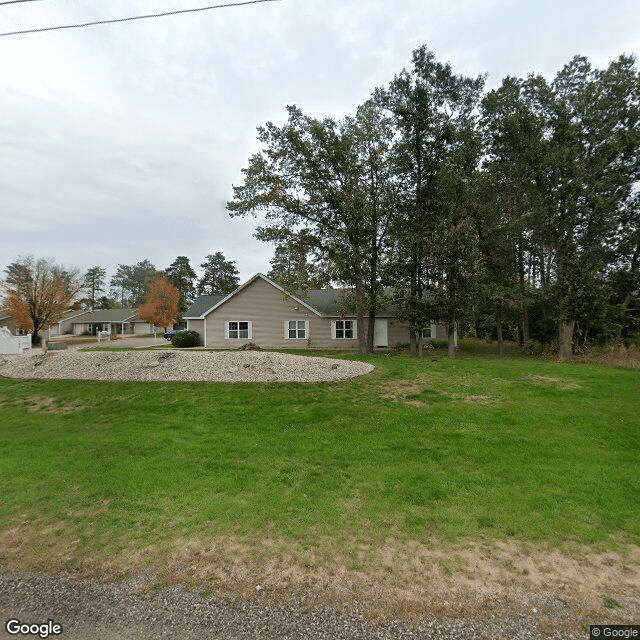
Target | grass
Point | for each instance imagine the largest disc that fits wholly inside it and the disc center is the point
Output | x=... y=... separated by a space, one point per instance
x=420 y=450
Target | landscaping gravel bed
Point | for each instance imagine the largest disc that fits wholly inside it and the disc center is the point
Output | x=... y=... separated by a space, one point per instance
x=222 y=366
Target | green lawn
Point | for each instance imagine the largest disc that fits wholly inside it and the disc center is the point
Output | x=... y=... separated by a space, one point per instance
x=421 y=450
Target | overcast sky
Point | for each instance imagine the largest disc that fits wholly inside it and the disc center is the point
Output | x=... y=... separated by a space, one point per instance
x=122 y=142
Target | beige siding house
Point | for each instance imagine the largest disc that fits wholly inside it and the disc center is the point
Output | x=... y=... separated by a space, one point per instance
x=115 y=321
x=261 y=311
x=65 y=326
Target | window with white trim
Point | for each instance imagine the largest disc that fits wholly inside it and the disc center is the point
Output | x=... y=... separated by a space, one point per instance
x=428 y=332
x=238 y=330
x=344 y=330
x=296 y=329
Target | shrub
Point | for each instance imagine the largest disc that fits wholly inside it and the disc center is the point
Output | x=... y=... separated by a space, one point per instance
x=185 y=339
x=533 y=347
x=250 y=346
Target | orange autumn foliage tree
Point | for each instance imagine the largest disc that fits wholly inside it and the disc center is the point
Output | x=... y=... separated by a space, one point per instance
x=39 y=293
x=160 y=306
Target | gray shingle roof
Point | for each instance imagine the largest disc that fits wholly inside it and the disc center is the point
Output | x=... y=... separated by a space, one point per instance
x=335 y=302
x=109 y=315
x=329 y=302
x=326 y=302
x=203 y=304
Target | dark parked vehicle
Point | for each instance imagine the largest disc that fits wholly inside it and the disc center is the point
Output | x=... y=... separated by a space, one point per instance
x=169 y=333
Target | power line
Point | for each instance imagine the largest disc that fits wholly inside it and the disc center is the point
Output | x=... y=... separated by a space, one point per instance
x=16 y=1
x=116 y=20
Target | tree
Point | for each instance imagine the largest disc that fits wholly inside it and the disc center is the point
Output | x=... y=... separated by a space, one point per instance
x=584 y=176
x=182 y=276
x=118 y=287
x=506 y=198
x=435 y=255
x=313 y=181
x=130 y=282
x=94 y=281
x=160 y=306
x=39 y=293
x=106 y=303
x=220 y=275
x=291 y=268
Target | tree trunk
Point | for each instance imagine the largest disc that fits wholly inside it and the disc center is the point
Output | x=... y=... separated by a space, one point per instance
x=451 y=339
x=565 y=338
x=371 y=326
x=362 y=338
x=525 y=323
x=499 y=321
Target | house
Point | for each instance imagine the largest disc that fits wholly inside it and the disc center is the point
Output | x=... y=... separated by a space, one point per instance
x=115 y=321
x=7 y=320
x=120 y=321
x=65 y=325
x=262 y=311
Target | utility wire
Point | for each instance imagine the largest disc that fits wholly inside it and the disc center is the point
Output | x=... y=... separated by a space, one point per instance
x=116 y=20
x=16 y=1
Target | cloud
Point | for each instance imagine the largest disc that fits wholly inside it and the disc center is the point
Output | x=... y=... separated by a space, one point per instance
x=122 y=142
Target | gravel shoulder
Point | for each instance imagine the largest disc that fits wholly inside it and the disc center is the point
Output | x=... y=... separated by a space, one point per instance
x=164 y=365
x=122 y=611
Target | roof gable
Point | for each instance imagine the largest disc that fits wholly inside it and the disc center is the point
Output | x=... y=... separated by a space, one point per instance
x=321 y=302
x=214 y=304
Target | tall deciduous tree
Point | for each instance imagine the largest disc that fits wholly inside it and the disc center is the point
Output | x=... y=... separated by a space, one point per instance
x=318 y=183
x=160 y=306
x=305 y=180
x=507 y=199
x=435 y=252
x=39 y=292
x=182 y=276
x=587 y=172
x=220 y=275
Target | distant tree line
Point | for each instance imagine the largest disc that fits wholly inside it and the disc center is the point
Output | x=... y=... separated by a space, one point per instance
x=130 y=283
x=513 y=213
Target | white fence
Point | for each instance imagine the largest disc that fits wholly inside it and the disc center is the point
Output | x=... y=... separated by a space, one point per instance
x=14 y=345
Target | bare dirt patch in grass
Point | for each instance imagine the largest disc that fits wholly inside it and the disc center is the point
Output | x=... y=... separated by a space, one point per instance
x=562 y=384
x=418 y=392
x=49 y=404
x=400 y=389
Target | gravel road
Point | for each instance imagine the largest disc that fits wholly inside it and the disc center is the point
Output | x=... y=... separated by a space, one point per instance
x=223 y=366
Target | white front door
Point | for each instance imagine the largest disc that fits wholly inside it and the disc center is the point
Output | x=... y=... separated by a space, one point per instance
x=380 y=333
